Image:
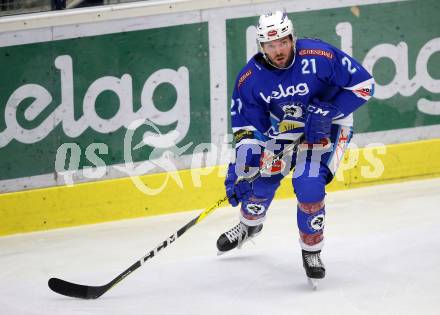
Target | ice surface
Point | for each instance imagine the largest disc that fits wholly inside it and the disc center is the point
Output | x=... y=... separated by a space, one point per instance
x=382 y=255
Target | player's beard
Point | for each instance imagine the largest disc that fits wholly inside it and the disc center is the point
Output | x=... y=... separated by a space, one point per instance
x=282 y=60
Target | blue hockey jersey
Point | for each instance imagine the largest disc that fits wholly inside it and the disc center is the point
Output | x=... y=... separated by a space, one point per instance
x=270 y=103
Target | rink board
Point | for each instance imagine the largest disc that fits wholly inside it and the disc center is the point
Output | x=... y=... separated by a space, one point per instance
x=84 y=57
x=102 y=69
x=116 y=199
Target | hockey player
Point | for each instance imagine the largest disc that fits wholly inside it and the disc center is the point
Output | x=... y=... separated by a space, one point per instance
x=293 y=90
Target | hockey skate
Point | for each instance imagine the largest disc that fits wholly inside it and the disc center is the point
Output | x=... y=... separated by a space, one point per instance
x=314 y=267
x=236 y=237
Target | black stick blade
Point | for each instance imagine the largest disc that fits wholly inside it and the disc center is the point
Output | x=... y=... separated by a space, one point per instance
x=75 y=290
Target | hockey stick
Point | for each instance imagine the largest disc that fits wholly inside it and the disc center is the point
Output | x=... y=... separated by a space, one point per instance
x=93 y=292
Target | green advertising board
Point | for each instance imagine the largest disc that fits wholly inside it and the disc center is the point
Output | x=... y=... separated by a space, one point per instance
x=398 y=42
x=87 y=90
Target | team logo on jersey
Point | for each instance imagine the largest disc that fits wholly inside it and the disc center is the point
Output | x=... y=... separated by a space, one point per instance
x=243 y=78
x=293 y=110
x=292 y=90
x=316 y=52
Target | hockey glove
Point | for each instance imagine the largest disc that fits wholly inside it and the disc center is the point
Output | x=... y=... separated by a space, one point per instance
x=236 y=190
x=319 y=118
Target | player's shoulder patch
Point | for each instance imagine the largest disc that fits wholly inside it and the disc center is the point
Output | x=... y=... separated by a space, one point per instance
x=251 y=72
x=244 y=76
x=316 y=52
x=314 y=47
x=364 y=89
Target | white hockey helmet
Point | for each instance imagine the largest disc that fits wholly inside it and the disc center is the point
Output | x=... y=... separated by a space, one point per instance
x=273 y=26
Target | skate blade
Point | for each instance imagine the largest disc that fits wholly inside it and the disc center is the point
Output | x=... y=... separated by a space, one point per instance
x=250 y=239
x=313 y=283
